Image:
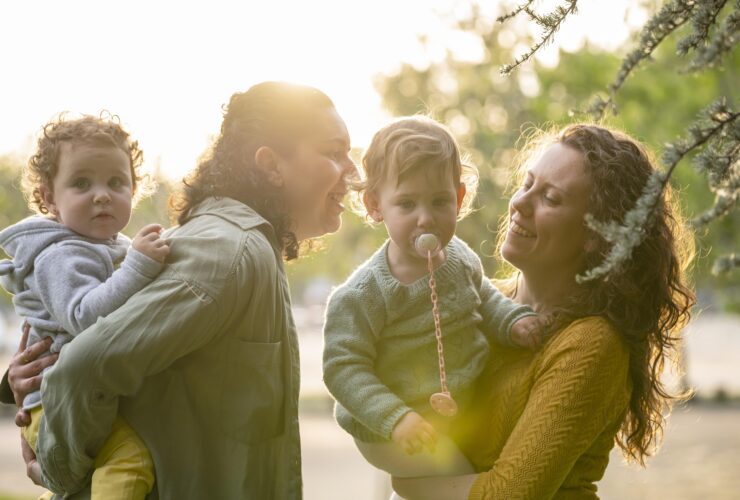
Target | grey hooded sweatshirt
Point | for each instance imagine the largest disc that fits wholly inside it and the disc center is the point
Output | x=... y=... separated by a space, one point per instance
x=63 y=282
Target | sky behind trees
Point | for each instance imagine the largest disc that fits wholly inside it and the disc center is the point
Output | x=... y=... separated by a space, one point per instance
x=166 y=68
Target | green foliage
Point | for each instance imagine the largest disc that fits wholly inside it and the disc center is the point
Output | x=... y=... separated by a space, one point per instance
x=655 y=105
x=13 y=206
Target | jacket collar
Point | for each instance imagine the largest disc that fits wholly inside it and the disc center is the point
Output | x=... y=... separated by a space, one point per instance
x=232 y=211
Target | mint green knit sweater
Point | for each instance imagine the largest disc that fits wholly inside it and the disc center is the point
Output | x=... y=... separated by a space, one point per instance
x=380 y=351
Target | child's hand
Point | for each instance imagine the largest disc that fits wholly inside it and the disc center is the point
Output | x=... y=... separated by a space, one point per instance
x=414 y=433
x=148 y=242
x=530 y=331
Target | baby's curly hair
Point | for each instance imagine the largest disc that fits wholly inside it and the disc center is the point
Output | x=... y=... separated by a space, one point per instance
x=104 y=130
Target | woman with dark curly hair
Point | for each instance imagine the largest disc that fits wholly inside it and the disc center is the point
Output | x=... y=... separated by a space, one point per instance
x=203 y=362
x=546 y=421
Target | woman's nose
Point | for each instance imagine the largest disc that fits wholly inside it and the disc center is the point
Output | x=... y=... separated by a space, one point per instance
x=349 y=170
x=521 y=203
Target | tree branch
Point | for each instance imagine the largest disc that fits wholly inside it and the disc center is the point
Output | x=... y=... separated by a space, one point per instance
x=627 y=236
x=550 y=23
x=722 y=41
x=666 y=21
x=515 y=12
x=703 y=20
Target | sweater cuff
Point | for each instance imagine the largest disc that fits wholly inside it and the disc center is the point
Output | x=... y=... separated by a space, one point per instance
x=477 y=490
x=142 y=264
x=389 y=423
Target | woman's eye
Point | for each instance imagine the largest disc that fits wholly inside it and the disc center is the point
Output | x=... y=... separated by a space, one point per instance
x=406 y=204
x=337 y=155
x=441 y=202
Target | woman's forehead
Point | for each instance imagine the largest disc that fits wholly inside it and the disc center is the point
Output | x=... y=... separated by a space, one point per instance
x=563 y=167
x=328 y=126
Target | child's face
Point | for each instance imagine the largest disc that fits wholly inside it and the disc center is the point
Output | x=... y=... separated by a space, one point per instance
x=422 y=201
x=92 y=190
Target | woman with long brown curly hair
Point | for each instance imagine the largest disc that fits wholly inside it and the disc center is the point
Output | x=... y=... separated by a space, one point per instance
x=203 y=362
x=546 y=421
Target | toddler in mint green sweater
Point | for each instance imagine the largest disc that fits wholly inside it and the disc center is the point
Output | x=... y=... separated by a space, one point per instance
x=380 y=356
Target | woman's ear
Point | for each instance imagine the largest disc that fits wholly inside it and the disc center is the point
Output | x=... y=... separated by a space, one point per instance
x=370 y=200
x=461 y=190
x=47 y=197
x=267 y=159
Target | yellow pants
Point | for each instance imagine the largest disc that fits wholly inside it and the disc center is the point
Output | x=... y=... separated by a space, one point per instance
x=123 y=467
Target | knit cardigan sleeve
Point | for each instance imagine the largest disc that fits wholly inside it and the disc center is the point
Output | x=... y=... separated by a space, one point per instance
x=498 y=311
x=354 y=318
x=578 y=389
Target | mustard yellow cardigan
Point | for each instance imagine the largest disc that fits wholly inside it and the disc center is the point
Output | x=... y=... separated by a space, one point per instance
x=545 y=421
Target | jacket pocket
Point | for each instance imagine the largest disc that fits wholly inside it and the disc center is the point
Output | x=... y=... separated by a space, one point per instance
x=252 y=398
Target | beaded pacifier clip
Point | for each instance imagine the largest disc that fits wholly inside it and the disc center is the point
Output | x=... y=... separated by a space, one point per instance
x=442 y=402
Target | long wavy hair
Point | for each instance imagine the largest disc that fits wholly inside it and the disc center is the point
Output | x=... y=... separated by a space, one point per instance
x=648 y=299
x=274 y=114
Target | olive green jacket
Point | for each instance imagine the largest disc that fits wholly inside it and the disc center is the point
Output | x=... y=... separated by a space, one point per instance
x=202 y=363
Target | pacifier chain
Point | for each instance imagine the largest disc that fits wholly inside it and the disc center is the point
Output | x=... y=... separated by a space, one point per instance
x=441 y=402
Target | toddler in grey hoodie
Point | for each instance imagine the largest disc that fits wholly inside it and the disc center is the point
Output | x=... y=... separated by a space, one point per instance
x=69 y=265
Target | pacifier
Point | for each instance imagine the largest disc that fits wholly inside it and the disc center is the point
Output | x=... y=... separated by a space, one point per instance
x=443 y=403
x=427 y=243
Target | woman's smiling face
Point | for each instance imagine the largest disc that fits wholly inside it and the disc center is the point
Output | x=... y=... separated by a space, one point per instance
x=546 y=231
x=314 y=177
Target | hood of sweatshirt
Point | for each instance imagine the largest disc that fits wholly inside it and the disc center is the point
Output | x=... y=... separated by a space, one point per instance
x=23 y=242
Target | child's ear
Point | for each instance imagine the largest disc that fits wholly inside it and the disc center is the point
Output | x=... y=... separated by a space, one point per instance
x=267 y=159
x=461 y=190
x=370 y=200
x=47 y=197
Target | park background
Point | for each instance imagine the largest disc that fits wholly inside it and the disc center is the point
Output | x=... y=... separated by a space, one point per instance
x=166 y=69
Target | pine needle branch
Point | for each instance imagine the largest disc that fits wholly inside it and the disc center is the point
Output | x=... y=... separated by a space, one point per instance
x=725 y=264
x=550 y=23
x=722 y=41
x=703 y=20
x=670 y=17
x=626 y=236
x=515 y=12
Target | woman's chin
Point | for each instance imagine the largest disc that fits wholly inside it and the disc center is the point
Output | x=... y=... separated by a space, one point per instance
x=510 y=255
x=333 y=224
x=328 y=225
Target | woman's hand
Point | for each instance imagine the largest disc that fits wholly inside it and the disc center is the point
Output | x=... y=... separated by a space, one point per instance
x=33 y=469
x=25 y=372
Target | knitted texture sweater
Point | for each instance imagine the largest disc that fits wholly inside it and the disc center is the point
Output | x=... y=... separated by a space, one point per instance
x=544 y=422
x=380 y=350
